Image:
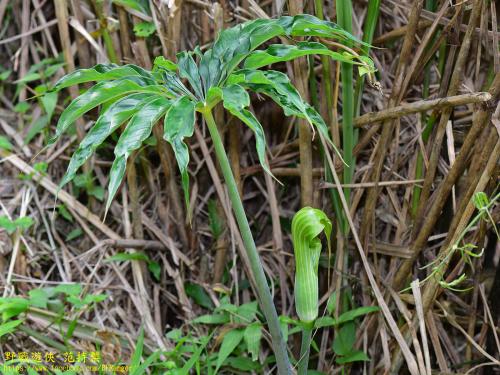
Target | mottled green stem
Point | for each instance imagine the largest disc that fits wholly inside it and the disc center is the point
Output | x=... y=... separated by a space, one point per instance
x=263 y=291
x=305 y=348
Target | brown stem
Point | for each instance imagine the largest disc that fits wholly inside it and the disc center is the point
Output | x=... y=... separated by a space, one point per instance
x=455 y=81
x=62 y=22
x=421 y=106
x=82 y=45
x=300 y=70
x=124 y=34
x=135 y=204
x=388 y=126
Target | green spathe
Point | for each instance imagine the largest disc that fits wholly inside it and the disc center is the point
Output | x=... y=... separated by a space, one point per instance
x=307 y=225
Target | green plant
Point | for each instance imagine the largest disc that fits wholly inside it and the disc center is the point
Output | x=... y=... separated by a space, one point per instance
x=467 y=251
x=153 y=267
x=53 y=299
x=222 y=74
x=21 y=223
x=239 y=332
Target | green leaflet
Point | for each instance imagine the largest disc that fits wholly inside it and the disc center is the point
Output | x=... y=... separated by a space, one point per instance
x=308 y=25
x=106 y=124
x=163 y=63
x=138 y=129
x=102 y=72
x=188 y=70
x=236 y=100
x=345 y=339
x=278 y=87
x=179 y=123
x=230 y=341
x=115 y=178
x=307 y=225
x=260 y=141
x=281 y=52
x=101 y=93
x=140 y=126
x=252 y=336
x=231 y=47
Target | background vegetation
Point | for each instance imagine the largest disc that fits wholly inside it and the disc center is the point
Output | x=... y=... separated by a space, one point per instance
x=411 y=282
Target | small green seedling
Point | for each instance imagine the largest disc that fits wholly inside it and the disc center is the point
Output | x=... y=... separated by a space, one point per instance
x=21 y=223
x=467 y=251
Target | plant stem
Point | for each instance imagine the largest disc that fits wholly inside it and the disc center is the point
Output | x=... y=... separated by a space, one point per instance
x=371 y=20
x=264 y=294
x=344 y=18
x=305 y=348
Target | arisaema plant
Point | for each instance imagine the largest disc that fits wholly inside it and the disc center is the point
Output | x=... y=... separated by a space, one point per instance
x=179 y=92
x=307 y=225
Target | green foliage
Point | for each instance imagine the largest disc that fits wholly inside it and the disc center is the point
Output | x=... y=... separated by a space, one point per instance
x=49 y=298
x=153 y=267
x=199 y=295
x=229 y=343
x=42 y=70
x=179 y=123
x=252 y=336
x=141 y=6
x=240 y=334
x=343 y=345
x=5 y=144
x=279 y=53
x=139 y=98
x=344 y=340
x=75 y=233
x=4 y=74
x=346 y=317
x=466 y=250
x=21 y=107
x=215 y=222
x=21 y=223
x=9 y=327
x=144 y=29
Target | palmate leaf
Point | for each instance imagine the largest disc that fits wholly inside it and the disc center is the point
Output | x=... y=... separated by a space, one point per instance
x=101 y=93
x=106 y=124
x=307 y=225
x=235 y=44
x=179 y=124
x=137 y=131
x=130 y=92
